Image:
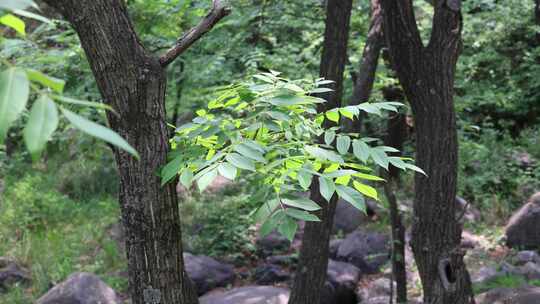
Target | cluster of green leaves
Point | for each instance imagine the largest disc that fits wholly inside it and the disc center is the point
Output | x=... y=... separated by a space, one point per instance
x=272 y=128
x=17 y=84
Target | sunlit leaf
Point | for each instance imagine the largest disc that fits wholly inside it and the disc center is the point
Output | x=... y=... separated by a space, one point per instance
x=14 y=92
x=14 y=22
x=42 y=123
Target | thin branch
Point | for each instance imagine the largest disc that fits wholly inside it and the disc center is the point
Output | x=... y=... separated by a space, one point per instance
x=218 y=12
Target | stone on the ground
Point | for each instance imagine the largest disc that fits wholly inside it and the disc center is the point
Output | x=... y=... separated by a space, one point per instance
x=366 y=250
x=341 y=283
x=269 y=274
x=333 y=247
x=377 y=289
x=248 y=295
x=469 y=240
x=347 y=218
x=207 y=273
x=522 y=229
x=525 y=256
x=11 y=273
x=466 y=210
x=485 y=274
x=282 y=260
x=80 y=288
x=502 y=295
x=272 y=243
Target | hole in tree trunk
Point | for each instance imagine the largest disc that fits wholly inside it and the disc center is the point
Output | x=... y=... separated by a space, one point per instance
x=449 y=273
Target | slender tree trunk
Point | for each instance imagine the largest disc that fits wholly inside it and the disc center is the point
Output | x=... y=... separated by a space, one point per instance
x=363 y=85
x=427 y=76
x=133 y=82
x=537 y=17
x=313 y=261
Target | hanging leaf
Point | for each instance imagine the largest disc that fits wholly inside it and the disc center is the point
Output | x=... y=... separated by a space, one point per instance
x=343 y=144
x=99 y=131
x=97 y=105
x=45 y=80
x=266 y=209
x=16 y=4
x=301 y=215
x=249 y=152
x=360 y=150
x=352 y=196
x=240 y=161
x=170 y=170
x=288 y=228
x=301 y=203
x=271 y=223
x=366 y=190
x=379 y=157
x=329 y=137
x=327 y=188
x=227 y=170
x=304 y=179
x=14 y=22
x=415 y=168
x=186 y=178
x=14 y=92
x=333 y=115
x=323 y=154
x=42 y=123
x=204 y=181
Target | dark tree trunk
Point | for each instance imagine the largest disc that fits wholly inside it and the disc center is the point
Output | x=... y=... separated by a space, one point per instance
x=313 y=261
x=133 y=82
x=363 y=85
x=537 y=17
x=427 y=76
x=396 y=129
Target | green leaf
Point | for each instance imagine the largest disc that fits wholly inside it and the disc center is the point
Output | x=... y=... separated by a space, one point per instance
x=14 y=92
x=31 y=15
x=329 y=137
x=97 y=105
x=352 y=196
x=99 y=131
x=343 y=144
x=398 y=162
x=368 y=177
x=240 y=161
x=249 y=152
x=327 y=188
x=45 y=80
x=227 y=170
x=323 y=154
x=339 y=173
x=333 y=115
x=263 y=78
x=204 y=181
x=288 y=100
x=301 y=215
x=288 y=228
x=186 y=178
x=266 y=209
x=379 y=157
x=366 y=190
x=415 y=168
x=301 y=203
x=320 y=90
x=271 y=223
x=279 y=116
x=16 y=4
x=42 y=123
x=345 y=112
x=360 y=150
x=14 y=22
x=304 y=179
x=170 y=170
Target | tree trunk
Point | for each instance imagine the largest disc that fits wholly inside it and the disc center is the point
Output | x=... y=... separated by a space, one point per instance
x=537 y=17
x=363 y=84
x=313 y=260
x=427 y=76
x=133 y=82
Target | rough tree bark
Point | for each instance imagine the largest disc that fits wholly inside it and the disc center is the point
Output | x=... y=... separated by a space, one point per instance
x=427 y=76
x=313 y=261
x=537 y=17
x=133 y=82
x=363 y=85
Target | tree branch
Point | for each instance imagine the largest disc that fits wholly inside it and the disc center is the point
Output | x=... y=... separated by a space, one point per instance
x=218 y=12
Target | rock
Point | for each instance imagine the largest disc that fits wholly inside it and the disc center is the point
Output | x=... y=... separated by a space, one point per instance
x=282 y=260
x=218 y=184
x=485 y=274
x=273 y=242
x=208 y=273
x=11 y=273
x=248 y=295
x=379 y=288
x=80 y=288
x=341 y=285
x=523 y=159
x=333 y=247
x=470 y=214
x=526 y=256
x=522 y=228
x=503 y=295
x=347 y=218
x=469 y=240
x=269 y=274
x=366 y=250
x=530 y=270
x=117 y=234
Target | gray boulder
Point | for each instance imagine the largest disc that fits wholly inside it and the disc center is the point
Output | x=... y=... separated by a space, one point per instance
x=269 y=274
x=80 y=288
x=248 y=295
x=523 y=257
x=341 y=285
x=524 y=295
x=207 y=273
x=11 y=273
x=366 y=250
x=347 y=218
x=272 y=243
x=522 y=228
